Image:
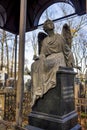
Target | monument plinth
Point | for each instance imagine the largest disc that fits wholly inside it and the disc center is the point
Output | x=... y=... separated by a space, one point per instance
x=56 y=109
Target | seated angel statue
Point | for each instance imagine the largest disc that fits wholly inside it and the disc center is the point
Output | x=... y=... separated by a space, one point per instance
x=54 y=52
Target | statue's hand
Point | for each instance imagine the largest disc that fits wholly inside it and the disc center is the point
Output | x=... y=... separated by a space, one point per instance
x=42 y=56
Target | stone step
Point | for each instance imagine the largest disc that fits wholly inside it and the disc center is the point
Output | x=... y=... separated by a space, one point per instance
x=29 y=127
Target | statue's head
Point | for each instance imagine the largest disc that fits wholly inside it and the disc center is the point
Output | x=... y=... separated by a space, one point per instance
x=48 y=25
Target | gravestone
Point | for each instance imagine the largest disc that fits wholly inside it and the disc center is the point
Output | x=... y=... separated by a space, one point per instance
x=56 y=109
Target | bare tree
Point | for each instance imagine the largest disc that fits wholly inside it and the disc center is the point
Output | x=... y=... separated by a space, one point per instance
x=12 y=60
x=7 y=53
x=5 y=38
x=32 y=42
x=2 y=48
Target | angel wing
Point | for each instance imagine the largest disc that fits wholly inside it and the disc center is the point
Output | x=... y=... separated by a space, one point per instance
x=66 y=33
x=41 y=36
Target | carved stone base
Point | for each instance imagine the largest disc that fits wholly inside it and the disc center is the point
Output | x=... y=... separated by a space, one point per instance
x=51 y=122
x=29 y=127
x=56 y=109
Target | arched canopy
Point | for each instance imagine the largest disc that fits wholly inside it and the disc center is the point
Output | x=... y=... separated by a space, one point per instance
x=35 y=8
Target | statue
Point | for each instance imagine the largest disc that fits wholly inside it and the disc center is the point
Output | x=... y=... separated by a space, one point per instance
x=54 y=52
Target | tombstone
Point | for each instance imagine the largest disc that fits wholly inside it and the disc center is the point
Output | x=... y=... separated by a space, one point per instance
x=53 y=90
x=56 y=109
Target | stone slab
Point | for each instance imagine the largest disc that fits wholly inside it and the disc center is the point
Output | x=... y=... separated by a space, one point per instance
x=56 y=109
x=77 y=127
x=29 y=127
x=51 y=122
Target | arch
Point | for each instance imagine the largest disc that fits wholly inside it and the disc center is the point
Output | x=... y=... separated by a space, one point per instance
x=10 y=19
x=3 y=16
x=79 y=6
x=45 y=6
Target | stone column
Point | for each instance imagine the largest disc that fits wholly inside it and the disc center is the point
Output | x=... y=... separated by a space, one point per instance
x=20 y=83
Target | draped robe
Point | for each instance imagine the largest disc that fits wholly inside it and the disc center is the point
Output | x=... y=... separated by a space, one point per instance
x=54 y=53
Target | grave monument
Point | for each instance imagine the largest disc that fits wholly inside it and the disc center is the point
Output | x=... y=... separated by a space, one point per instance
x=53 y=76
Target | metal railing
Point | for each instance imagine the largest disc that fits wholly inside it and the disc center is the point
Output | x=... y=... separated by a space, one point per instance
x=9 y=110
x=5 y=125
x=81 y=108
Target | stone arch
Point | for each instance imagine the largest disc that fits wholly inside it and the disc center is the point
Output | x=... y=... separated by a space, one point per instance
x=77 y=5
x=46 y=5
x=3 y=16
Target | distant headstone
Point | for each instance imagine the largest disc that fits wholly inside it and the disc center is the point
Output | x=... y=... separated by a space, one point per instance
x=2 y=127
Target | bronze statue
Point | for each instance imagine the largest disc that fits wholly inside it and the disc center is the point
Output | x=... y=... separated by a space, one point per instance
x=54 y=52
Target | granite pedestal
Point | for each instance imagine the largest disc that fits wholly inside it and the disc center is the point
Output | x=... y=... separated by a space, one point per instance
x=56 y=109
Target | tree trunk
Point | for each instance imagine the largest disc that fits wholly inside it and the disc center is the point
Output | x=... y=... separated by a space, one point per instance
x=2 y=56
x=2 y=49
x=15 y=64
x=7 y=58
x=12 y=60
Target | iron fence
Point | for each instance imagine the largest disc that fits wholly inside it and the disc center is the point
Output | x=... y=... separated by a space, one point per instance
x=5 y=125
x=81 y=108
x=9 y=107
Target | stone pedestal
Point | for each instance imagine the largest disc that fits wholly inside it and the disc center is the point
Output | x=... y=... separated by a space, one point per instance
x=56 y=109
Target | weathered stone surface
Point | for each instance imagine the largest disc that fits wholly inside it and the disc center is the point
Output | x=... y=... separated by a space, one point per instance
x=50 y=122
x=56 y=109
x=2 y=127
x=55 y=52
x=59 y=100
